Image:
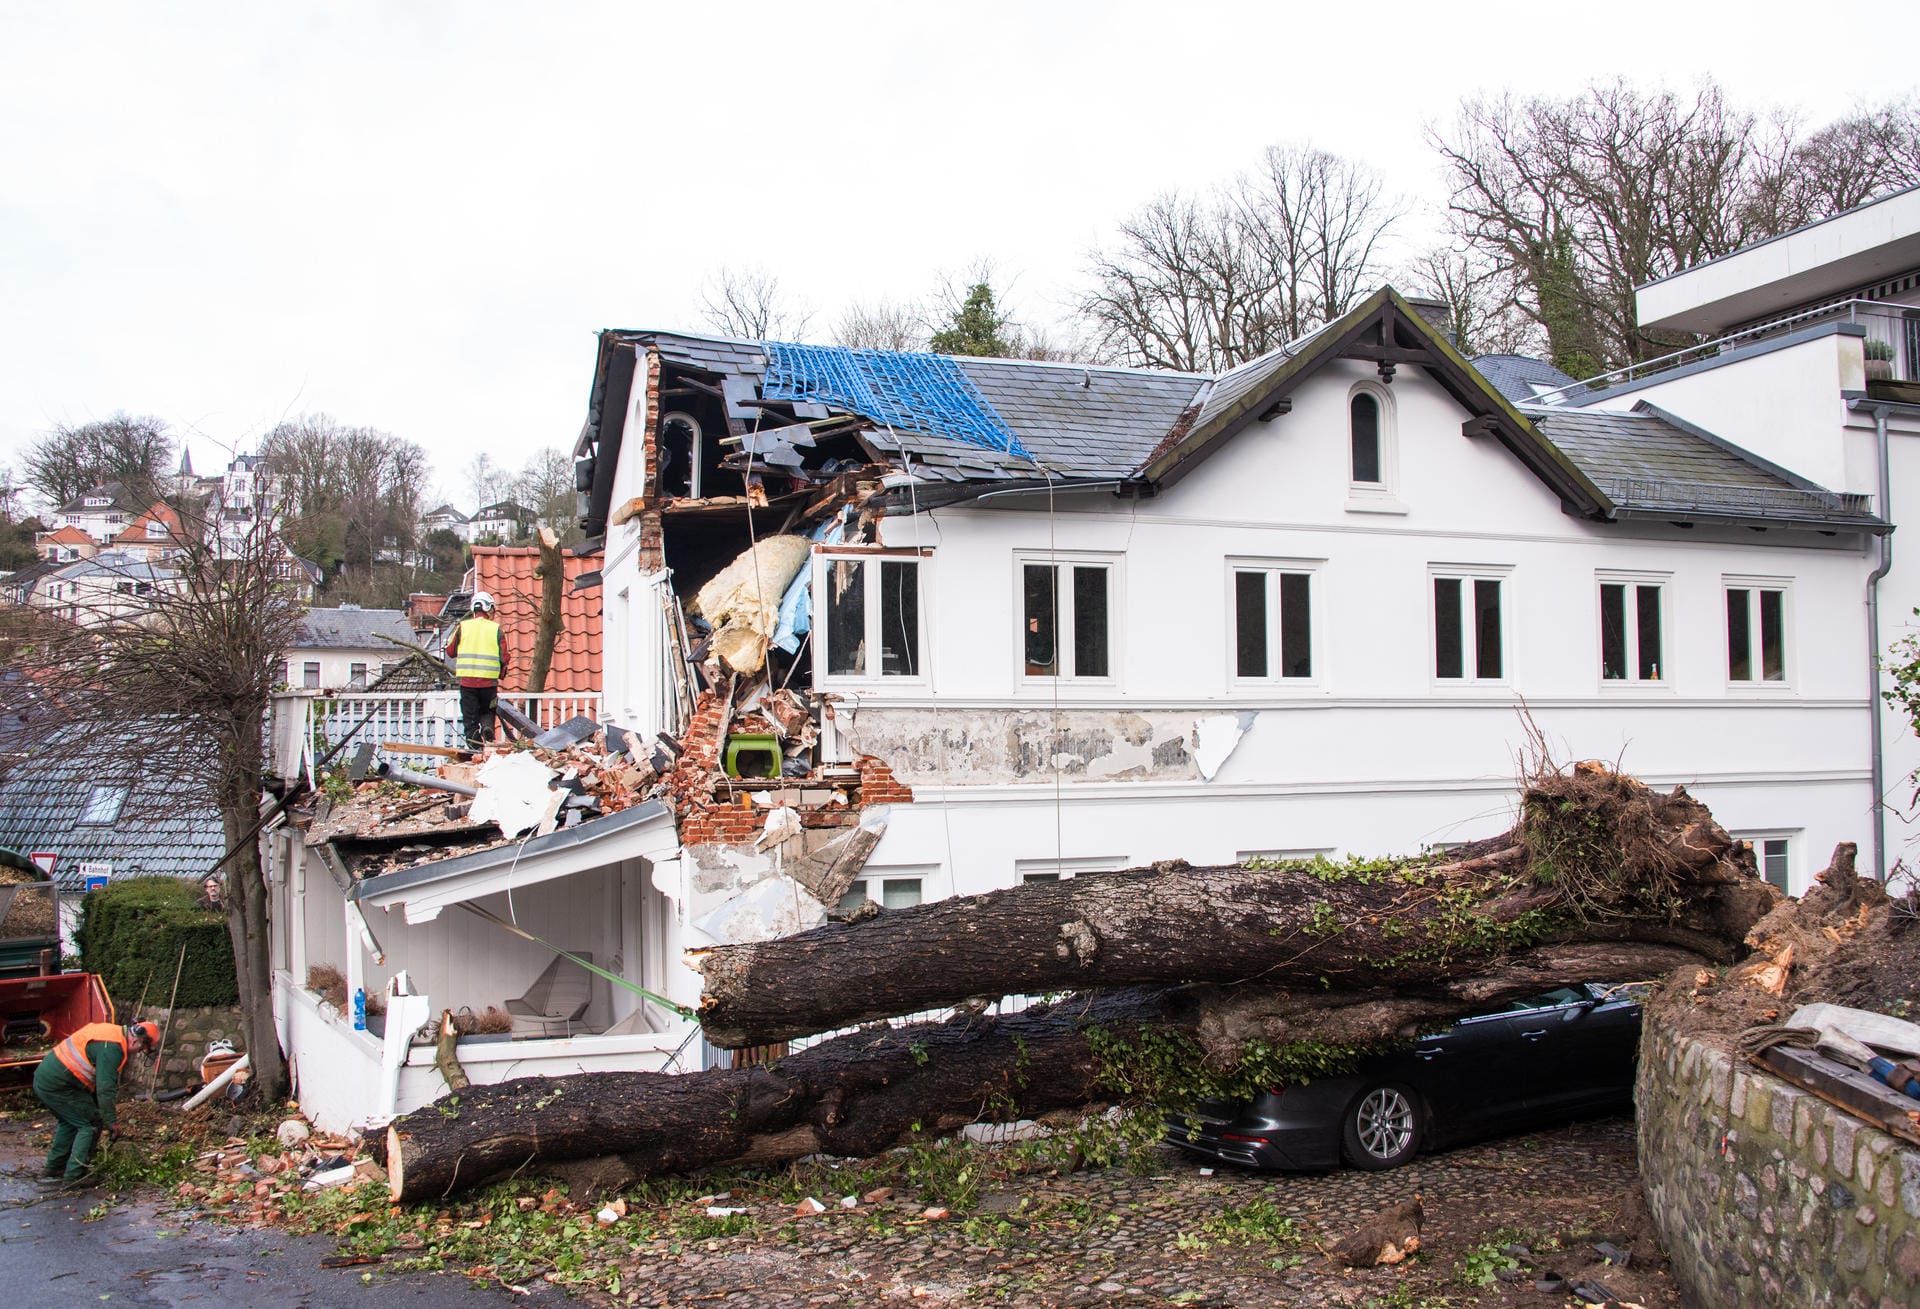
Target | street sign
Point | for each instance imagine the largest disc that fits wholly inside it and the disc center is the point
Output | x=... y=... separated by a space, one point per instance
x=97 y=872
x=46 y=859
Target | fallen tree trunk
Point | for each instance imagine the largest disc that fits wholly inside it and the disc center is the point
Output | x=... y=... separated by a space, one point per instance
x=868 y=1091
x=1597 y=856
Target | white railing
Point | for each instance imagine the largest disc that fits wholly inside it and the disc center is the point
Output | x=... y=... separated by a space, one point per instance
x=307 y=724
x=1893 y=335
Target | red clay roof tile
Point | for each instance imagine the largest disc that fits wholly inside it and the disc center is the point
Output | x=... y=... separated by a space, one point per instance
x=507 y=573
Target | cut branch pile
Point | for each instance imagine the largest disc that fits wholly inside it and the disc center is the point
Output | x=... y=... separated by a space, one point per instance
x=1602 y=879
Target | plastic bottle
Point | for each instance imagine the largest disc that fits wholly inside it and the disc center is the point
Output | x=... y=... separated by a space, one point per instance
x=359 y=1008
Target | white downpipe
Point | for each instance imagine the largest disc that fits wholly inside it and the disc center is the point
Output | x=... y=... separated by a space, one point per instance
x=218 y=1084
x=1876 y=732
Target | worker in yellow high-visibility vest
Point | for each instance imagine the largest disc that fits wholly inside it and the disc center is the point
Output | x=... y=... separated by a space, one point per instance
x=480 y=660
x=79 y=1081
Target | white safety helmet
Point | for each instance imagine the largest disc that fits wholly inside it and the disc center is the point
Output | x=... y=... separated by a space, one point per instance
x=481 y=600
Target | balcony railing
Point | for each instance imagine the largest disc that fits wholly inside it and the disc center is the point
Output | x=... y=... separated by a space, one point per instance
x=307 y=724
x=1893 y=334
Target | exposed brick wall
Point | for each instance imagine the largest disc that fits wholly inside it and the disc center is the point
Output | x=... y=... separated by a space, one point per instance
x=878 y=785
x=710 y=813
x=653 y=551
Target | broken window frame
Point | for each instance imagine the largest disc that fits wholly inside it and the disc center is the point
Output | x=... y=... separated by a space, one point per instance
x=1472 y=580
x=874 y=563
x=1769 y=662
x=1275 y=575
x=1643 y=613
x=1067 y=621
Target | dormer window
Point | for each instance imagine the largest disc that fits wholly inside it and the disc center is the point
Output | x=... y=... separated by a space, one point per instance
x=156 y=527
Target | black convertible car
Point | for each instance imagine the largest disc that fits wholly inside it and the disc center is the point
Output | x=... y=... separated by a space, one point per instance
x=1548 y=1058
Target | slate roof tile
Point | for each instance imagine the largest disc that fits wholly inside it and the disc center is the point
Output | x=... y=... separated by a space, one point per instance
x=161 y=830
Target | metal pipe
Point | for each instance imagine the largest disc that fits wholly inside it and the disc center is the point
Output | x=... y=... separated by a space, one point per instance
x=411 y=778
x=1875 y=706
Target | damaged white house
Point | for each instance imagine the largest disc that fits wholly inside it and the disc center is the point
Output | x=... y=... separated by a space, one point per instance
x=914 y=626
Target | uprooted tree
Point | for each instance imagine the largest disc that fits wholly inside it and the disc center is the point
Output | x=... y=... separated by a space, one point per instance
x=1185 y=982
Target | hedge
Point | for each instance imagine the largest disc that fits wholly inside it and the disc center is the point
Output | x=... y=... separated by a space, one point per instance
x=131 y=934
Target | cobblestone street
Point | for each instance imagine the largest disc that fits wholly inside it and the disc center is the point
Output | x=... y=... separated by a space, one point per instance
x=1180 y=1236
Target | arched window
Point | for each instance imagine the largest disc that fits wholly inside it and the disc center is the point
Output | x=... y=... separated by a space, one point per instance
x=1364 y=422
x=680 y=455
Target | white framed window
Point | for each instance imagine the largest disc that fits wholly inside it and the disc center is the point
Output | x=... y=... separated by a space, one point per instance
x=1633 y=627
x=1773 y=855
x=1065 y=870
x=1373 y=450
x=1272 y=604
x=1756 y=631
x=868 y=619
x=1068 y=616
x=310 y=676
x=356 y=677
x=887 y=892
x=1469 y=623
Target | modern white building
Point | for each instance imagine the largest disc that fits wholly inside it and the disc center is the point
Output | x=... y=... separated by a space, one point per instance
x=1812 y=361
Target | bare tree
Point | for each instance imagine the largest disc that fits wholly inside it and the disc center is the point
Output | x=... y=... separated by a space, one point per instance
x=181 y=684
x=1312 y=222
x=72 y=459
x=1585 y=198
x=1801 y=179
x=882 y=325
x=1202 y=283
x=1482 y=315
x=486 y=479
x=352 y=495
x=746 y=303
x=545 y=485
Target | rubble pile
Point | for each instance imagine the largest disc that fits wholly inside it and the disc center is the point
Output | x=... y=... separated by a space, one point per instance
x=255 y=1184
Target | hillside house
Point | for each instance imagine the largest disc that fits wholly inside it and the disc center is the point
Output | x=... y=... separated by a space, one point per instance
x=348 y=648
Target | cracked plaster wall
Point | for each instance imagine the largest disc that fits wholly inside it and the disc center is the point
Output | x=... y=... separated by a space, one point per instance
x=985 y=747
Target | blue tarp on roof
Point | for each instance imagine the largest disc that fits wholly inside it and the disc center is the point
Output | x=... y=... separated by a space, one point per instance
x=916 y=392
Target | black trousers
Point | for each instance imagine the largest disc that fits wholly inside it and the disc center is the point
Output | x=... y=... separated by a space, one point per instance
x=477 y=716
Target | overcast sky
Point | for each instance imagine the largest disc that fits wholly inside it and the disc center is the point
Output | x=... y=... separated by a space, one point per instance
x=416 y=216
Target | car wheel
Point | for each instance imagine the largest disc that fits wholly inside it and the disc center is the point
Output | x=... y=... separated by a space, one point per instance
x=1382 y=1127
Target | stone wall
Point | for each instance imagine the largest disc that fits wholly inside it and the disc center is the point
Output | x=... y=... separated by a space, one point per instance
x=186 y=1033
x=1764 y=1194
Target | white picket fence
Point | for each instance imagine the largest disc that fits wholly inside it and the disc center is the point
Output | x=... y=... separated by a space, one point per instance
x=308 y=724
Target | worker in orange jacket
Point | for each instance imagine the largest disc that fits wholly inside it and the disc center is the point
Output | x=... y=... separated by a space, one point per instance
x=480 y=660
x=79 y=1081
